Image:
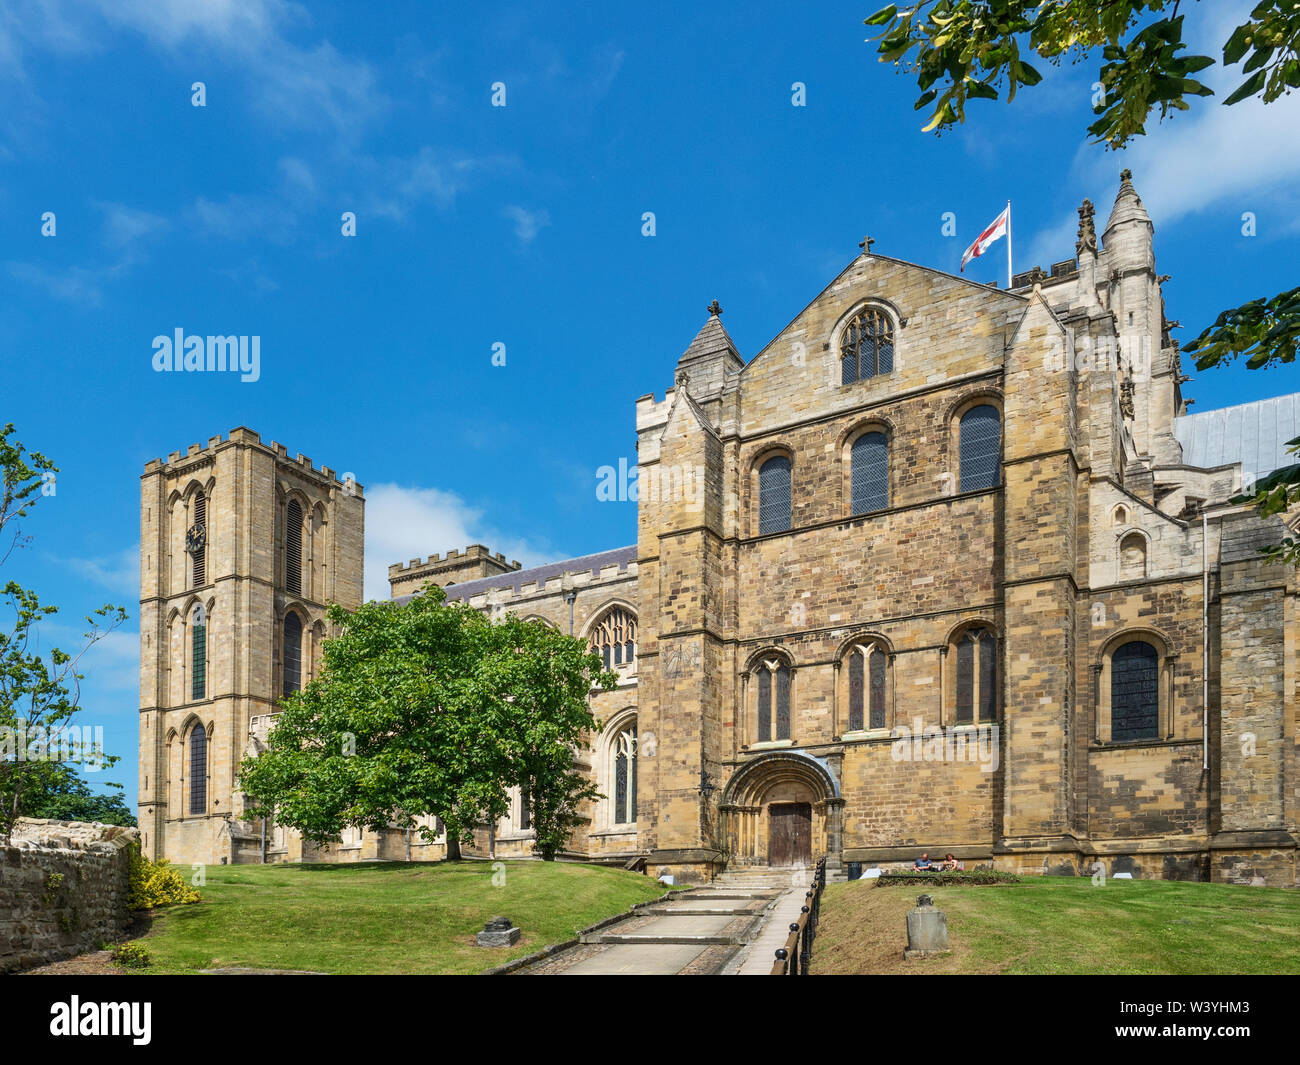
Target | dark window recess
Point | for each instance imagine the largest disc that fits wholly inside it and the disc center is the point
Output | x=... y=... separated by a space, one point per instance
x=783 y=703
x=525 y=811
x=293 y=548
x=199 y=671
x=774 y=495
x=764 y=704
x=866 y=346
x=855 y=691
x=877 y=689
x=980 y=434
x=869 y=459
x=988 y=677
x=198 y=770
x=292 y=654
x=1134 y=693
x=965 y=680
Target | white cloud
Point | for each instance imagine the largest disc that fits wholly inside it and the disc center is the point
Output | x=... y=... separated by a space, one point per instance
x=404 y=523
x=119 y=573
x=527 y=223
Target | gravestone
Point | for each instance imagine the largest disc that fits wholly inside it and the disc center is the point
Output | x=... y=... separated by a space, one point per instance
x=927 y=930
x=498 y=932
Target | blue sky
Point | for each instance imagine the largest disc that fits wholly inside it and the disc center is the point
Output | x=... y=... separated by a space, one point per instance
x=519 y=225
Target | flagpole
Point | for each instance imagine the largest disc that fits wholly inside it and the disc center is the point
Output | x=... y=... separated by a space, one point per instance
x=1008 y=243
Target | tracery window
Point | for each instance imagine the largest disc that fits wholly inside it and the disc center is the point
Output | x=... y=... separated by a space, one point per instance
x=866 y=346
x=623 y=751
x=614 y=638
x=868 y=664
x=773 y=698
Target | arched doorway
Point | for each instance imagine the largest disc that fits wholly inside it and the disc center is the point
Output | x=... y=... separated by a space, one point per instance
x=782 y=809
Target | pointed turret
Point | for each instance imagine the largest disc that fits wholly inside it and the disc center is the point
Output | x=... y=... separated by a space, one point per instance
x=1128 y=233
x=711 y=356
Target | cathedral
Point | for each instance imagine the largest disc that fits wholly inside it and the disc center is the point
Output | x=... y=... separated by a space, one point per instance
x=944 y=567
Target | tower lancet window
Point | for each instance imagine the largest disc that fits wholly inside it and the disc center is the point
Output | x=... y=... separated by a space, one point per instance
x=196 y=541
x=293 y=548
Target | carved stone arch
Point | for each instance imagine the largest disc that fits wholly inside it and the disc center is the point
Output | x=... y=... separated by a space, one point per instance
x=769 y=651
x=1149 y=633
x=858 y=306
x=867 y=423
x=598 y=615
x=1132 y=554
x=863 y=636
x=618 y=782
x=970 y=622
x=540 y=620
x=774 y=780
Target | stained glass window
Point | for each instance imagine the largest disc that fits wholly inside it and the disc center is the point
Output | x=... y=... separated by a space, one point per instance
x=1134 y=693
x=855 y=689
x=615 y=638
x=625 y=776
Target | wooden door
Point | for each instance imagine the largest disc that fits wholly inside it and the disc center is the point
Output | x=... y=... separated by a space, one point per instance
x=789 y=834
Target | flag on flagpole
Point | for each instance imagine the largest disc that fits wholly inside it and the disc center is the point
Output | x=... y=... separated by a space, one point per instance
x=999 y=227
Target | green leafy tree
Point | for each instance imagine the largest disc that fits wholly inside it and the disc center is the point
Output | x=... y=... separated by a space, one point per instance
x=39 y=691
x=963 y=50
x=55 y=790
x=431 y=709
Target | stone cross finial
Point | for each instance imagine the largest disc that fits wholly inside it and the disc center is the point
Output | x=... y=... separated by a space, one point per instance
x=1126 y=175
x=865 y=244
x=714 y=308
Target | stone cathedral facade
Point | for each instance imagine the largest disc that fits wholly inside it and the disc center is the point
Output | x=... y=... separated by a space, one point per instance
x=943 y=567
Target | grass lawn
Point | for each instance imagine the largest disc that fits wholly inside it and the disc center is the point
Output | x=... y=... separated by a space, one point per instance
x=1066 y=925
x=383 y=917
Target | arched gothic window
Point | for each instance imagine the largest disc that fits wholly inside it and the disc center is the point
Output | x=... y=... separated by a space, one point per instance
x=1134 y=692
x=773 y=678
x=198 y=770
x=774 y=495
x=866 y=346
x=980 y=440
x=198 y=653
x=868 y=664
x=614 y=638
x=869 y=458
x=977 y=676
x=293 y=548
x=623 y=754
x=292 y=657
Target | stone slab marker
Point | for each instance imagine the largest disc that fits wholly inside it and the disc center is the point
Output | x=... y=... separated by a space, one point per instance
x=927 y=930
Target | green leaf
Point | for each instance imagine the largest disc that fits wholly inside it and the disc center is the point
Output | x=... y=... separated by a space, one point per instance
x=885 y=14
x=1248 y=88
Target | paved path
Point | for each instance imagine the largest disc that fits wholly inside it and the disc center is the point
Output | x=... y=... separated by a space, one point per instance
x=761 y=953
x=700 y=932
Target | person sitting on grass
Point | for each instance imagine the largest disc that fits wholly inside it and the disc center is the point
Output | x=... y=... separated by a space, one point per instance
x=923 y=864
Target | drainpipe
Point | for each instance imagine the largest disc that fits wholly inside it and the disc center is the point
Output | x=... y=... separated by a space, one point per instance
x=570 y=594
x=264 y=841
x=1205 y=640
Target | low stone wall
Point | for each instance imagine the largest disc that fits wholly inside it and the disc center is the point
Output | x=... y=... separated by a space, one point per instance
x=63 y=890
